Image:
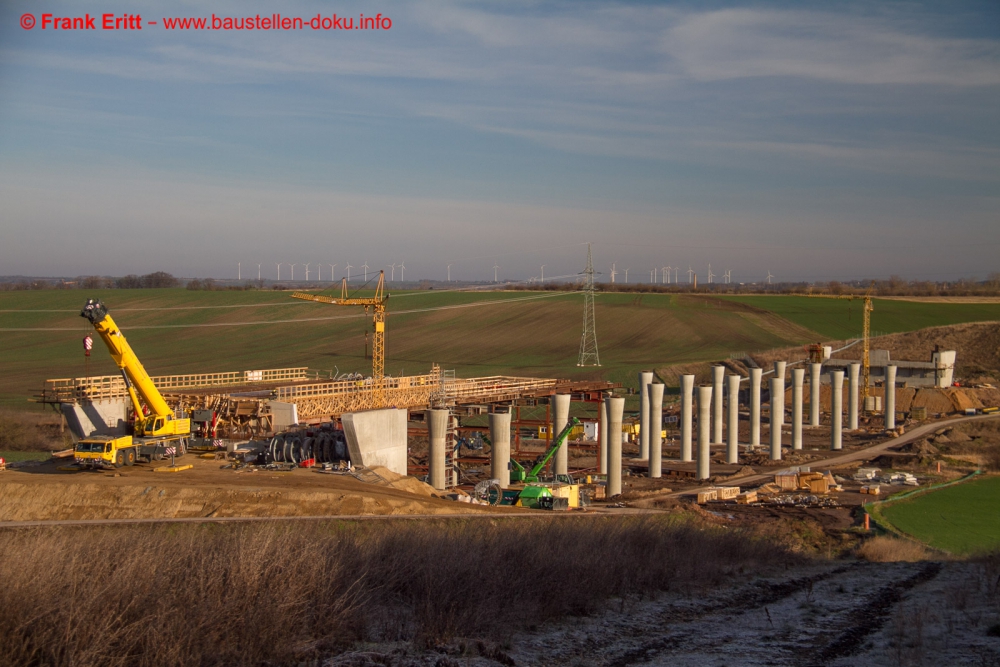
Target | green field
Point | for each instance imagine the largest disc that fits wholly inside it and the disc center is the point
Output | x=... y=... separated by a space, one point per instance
x=512 y=333
x=959 y=519
x=836 y=319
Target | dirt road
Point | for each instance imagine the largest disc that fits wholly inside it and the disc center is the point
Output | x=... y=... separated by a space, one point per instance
x=834 y=613
x=865 y=454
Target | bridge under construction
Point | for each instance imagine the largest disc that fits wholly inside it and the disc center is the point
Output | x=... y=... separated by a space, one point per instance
x=244 y=404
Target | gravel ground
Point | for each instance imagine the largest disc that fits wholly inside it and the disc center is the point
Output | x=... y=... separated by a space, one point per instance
x=833 y=613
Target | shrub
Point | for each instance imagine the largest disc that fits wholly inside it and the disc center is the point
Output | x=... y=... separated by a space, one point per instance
x=884 y=549
x=288 y=593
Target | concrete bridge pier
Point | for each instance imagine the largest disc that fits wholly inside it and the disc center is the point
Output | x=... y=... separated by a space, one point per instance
x=755 y=375
x=560 y=412
x=655 y=391
x=616 y=408
x=704 y=430
x=777 y=395
x=798 y=377
x=500 y=457
x=836 y=409
x=437 y=428
x=687 y=400
x=733 y=428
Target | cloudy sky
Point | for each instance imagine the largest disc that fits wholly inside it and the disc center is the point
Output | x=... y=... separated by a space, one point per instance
x=832 y=140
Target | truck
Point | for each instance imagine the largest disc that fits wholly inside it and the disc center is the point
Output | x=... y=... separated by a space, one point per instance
x=156 y=432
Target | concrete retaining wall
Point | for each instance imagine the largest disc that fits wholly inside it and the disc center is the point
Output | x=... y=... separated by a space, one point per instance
x=377 y=437
x=97 y=417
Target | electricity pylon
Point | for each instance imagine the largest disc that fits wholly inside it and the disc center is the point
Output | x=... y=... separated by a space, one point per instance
x=588 y=342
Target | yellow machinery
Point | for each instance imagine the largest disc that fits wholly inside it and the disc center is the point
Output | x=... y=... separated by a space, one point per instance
x=377 y=303
x=155 y=432
x=865 y=332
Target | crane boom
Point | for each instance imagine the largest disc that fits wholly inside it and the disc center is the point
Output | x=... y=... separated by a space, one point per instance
x=160 y=421
x=377 y=304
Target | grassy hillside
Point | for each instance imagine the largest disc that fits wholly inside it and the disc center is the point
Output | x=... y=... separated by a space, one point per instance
x=841 y=319
x=953 y=518
x=516 y=333
x=531 y=336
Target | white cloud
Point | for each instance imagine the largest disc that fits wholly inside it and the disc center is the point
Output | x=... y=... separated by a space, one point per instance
x=740 y=43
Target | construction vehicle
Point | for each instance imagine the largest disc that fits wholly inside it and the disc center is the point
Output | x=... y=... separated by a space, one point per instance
x=156 y=433
x=377 y=303
x=518 y=474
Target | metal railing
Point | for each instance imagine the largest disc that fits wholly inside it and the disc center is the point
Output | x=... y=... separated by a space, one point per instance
x=108 y=387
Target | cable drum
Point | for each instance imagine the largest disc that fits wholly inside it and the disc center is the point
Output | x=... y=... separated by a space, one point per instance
x=277 y=448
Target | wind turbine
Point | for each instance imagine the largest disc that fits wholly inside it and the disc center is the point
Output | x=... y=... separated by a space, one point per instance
x=769 y=276
x=238 y=275
x=293 y=272
x=677 y=272
x=626 y=276
x=728 y=276
x=613 y=272
x=258 y=273
x=307 y=271
x=690 y=274
x=279 y=269
x=392 y=275
x=449 y=273
x=652 y=279
x=365 y=267
x=543 y=273
x=332 y=267
x=402 y=271
x=710 y=274
x=495 y=269
x=665 y=274
x=349 y=267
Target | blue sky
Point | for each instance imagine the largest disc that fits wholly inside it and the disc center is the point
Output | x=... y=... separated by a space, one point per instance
x=832 y=140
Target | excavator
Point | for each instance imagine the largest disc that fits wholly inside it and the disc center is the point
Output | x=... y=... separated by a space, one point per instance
x=156 y=433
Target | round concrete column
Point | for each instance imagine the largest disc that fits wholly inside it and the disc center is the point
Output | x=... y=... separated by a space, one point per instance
x=560 y=417
x=836 y=409
x=500 y=437
x=602 y=437
x=655 y=391
x=778 y=400
x=733 y=427
x=687 y=400
x=814 y=371
x=704 y=430
x=718 y=378
x=890 y=397
x=852 y=396
x=645 y=379
x=798 y=377
x=437 y=428
x=616 y=408
x=755 y=374
x=779 y=369
x=777 y=389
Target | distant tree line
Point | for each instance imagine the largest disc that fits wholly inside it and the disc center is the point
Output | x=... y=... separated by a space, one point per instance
x=894 y=286
x=157 y=279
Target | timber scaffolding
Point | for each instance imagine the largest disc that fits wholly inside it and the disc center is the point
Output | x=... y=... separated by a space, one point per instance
x=246 y=393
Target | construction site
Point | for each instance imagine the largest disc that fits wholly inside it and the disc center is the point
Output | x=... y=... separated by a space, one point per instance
x=788 y=454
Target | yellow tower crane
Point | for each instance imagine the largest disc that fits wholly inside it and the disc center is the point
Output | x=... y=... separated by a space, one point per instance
x=865 y=333
x=377 y=303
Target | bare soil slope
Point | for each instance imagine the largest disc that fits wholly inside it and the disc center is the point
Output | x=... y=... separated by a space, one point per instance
x=43 y=493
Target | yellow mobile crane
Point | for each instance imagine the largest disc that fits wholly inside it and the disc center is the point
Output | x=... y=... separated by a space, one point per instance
x=154 y=435
x=865 y=332
x=377 y=303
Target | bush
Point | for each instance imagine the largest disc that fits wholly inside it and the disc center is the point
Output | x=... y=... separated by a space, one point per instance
x=884 y=549
x=289 y=593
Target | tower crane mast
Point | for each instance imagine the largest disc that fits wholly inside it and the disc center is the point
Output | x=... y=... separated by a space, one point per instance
x=377 y=303
x=865 y=334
